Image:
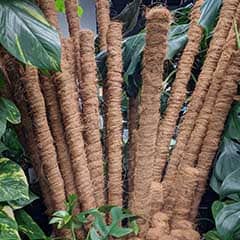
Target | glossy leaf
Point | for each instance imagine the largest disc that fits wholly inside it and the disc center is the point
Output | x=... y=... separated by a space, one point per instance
x=228 y=222
x=8 y=225
x=28 y=226
x=13 y=182
x=212 y=235
x=25 y=33
x=209 y=12
x=217 y=206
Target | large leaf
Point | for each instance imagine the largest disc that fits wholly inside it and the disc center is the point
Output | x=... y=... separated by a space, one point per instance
x=26 y=34
x=8 y=225
x=228 y=222
x=212 y=235
x=28 y=226
x=13 y=182
x=209 y=13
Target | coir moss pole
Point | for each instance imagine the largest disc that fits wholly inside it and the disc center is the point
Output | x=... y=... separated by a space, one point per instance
x=91 y=114
x=48 y=7
x=158 y=21
x=74 y=28
x=44 y=138
x=114 y=113
x=69 y=103
x=201 y=125
x=224 y=100
x=103 y=20
x=216 y=47
x=178 y=94
x=56 y=126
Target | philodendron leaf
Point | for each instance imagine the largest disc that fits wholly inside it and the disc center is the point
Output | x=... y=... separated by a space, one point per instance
x=212 y=235
x=28 y=226
x=27 y=35
x=13 y=182
x=10 y=111
x=8 y=225
x=209 y=13
x=216 y=208
x=228 y=222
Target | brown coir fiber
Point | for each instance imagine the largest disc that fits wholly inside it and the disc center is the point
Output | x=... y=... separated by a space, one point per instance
x=74 y=28
x=211 y=141
x=103 y=20
x=48 y=8
x=132 y=127
x=185 y=188
x=168 y=124
x=27 y=135
x=193 y=148
x=185 y=234
x=114 y=115
x=56 y=126
x=68 y=99
x=44 y=138
x=158 y=21
x=91 y=114
x=216 y=47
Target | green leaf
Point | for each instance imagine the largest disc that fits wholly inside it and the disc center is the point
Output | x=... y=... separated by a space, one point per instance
x=27 y=35
x=80 y=11
x=228 y=222
x=94 y=235
x=28 y=226
x=212 y=235
x=22 y=202
x=231 y=184
x=60 y=6
x=3 y=124
x=9 y=110
x=119 y=232
x=13 y=182
x=209 y=13
x=217 y=206
x=8 y=225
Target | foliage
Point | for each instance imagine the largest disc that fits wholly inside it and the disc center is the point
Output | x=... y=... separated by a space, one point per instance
x=25 y=33
x=60 y=6
x=95 y=218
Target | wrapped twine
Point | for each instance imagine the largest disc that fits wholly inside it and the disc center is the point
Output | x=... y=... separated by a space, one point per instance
x=43 y=137
x=158 y=21
x=214 y=52
x=91 y=115
x=211 y=141
x=113 y=114
x=68 y=98
x=168 y=124
x=103 y=20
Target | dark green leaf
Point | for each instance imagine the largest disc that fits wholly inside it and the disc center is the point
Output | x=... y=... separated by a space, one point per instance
x=13 y=182
x=27 y=35
x=119 y=232
x=209 y=13
x=20 y=203
x=8 y=225
x=212 y=235
x=217 y=206
x=3 y=125
x=9 y=109
x=28 y=226
x=71 y=203
x=228 y=221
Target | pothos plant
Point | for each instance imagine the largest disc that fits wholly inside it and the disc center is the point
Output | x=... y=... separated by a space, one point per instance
x=95 y=221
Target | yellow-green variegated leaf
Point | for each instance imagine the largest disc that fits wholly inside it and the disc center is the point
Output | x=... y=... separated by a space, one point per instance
x=13 y=182
x=8 y=225
x=27 y=35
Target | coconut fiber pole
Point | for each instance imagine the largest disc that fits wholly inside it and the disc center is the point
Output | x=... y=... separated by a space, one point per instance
x=91 y=114
x=48 y=7
x=168 y=124
x=44 y=138
x=114 y=113
x=215 y=50
x=69 y=104
x=211 y=141
x=103 y=20
x=74 y=28
x=158 y=21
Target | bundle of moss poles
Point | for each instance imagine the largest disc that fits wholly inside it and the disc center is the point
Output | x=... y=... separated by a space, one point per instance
x=62 y=131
